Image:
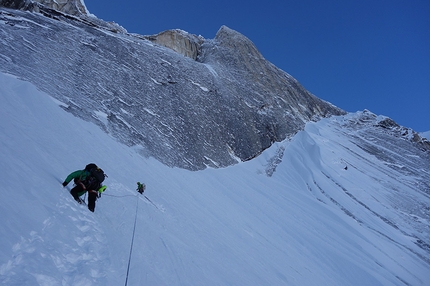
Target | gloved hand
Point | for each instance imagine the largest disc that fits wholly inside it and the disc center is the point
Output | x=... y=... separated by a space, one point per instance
x=64 y=184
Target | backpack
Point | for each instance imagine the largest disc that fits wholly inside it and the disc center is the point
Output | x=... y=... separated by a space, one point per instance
x=98 y=174
x=95 y=172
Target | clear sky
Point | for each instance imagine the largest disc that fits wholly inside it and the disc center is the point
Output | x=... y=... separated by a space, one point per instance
x=363 y=54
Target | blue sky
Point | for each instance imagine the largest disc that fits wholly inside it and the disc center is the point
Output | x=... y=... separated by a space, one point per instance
x=357 y=55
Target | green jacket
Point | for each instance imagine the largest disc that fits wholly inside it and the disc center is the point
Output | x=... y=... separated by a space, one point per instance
x=82 y=176
x=79 y=174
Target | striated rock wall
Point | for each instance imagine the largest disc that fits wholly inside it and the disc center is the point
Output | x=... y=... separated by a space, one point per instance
x=180 y=41
x=219 y=104
x=71 y=7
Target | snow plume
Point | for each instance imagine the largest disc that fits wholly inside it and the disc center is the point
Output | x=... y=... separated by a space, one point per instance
x=345 y=204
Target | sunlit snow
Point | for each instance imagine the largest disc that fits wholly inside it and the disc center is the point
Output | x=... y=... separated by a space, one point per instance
x=315 y=210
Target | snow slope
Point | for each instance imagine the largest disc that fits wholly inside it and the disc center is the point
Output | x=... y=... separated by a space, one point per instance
x=292 y=216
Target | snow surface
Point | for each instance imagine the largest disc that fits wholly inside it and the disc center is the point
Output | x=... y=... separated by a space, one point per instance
x=309 y=222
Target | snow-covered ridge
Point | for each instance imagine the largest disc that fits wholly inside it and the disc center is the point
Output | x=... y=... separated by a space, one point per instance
x=388 y=125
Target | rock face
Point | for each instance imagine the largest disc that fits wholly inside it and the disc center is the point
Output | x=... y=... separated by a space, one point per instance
x=180 y=41
x=399 y=131
x=72 y=7
x=219 y=104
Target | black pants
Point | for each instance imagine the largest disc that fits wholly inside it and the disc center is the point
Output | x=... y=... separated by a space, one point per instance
x=92 y=197
x=79 y=190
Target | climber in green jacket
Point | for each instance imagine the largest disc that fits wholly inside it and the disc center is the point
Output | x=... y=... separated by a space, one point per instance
x=88 y=180
x=140 y=187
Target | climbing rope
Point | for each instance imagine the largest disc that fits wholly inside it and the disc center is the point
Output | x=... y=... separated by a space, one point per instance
x=134 y=228
x=132 y=240
x=119 y=196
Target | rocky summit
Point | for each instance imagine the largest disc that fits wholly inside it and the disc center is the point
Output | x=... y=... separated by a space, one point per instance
x=188 y=101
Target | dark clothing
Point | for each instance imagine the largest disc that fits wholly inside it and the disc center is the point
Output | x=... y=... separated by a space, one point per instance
x=84 y=182
x=140 y=187
x=78 y=189
x=92 y=198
